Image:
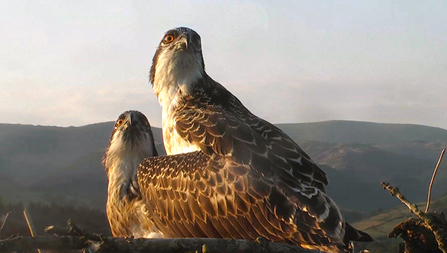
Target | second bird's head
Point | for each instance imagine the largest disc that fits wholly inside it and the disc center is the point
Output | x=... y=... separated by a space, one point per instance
x=132 y=133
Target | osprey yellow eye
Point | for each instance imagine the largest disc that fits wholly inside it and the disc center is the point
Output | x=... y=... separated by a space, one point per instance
x=119 y=122
x=168 y=39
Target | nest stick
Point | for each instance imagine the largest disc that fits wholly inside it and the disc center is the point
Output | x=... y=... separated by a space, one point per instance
x=433 y=179
x=31 y=227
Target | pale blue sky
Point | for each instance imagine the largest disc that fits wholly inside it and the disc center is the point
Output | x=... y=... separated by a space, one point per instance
x=80 y=62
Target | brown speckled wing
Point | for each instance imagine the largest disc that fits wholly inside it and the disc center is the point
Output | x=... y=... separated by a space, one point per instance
x=216 y=121
x=200 y=195
x=192 y=195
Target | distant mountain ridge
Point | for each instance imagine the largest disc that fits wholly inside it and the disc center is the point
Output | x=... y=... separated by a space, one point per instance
x=64 y=163
x=363 y=132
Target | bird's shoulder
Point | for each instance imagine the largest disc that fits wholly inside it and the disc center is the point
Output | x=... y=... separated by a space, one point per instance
x=214 y=119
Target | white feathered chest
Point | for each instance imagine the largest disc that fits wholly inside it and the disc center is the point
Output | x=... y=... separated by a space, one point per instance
x=173 y=80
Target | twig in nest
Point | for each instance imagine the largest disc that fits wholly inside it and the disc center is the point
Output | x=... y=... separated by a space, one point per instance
x=57 y=231
x=429 y=222
x=59 y=243
x=30 y=224
x=76 y=230
x=417 y=237
x=433 y=179
x=396 y=193
x=80 y=239
x=4 y=221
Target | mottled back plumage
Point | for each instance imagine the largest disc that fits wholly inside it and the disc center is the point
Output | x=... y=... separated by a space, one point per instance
x=130 y=142
x=244 y=177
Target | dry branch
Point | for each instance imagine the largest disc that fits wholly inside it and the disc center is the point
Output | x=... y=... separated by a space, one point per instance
x=124 y=245
x=4 y=221
x=432 y=221
x=433 y=179
x=76 y=238
x=31 y=227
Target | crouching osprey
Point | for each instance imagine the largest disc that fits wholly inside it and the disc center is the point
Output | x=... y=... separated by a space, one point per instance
x=230 y=173
x=131 y=141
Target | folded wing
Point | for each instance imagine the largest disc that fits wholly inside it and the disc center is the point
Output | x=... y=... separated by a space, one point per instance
x=201 y=195
x=217 y=122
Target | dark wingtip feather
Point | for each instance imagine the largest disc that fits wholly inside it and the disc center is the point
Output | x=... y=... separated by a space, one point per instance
x=353 y=234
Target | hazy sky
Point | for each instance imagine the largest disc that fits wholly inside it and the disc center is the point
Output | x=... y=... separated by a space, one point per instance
x=80 y=62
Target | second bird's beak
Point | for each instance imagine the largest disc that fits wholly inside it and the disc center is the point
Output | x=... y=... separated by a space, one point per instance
x=133 y=120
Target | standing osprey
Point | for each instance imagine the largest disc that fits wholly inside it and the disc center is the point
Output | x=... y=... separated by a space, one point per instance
x=243 y=177
x=131 y=141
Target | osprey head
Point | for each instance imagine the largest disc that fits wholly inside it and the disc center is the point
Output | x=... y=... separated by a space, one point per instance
x=178 y=60
x=131 y=134
x=132 y=127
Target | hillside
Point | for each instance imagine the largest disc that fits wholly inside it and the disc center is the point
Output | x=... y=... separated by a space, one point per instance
x=356 y=170
x=380 y=225
x=64 y=163
x=31 y=153
x=44 y=163
x=363 y=132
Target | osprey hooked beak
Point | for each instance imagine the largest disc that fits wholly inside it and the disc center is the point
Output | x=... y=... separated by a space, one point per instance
x=126 y=120
x=131 y=133
x=183 y=39
x=133 y=125
x=180 y=48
